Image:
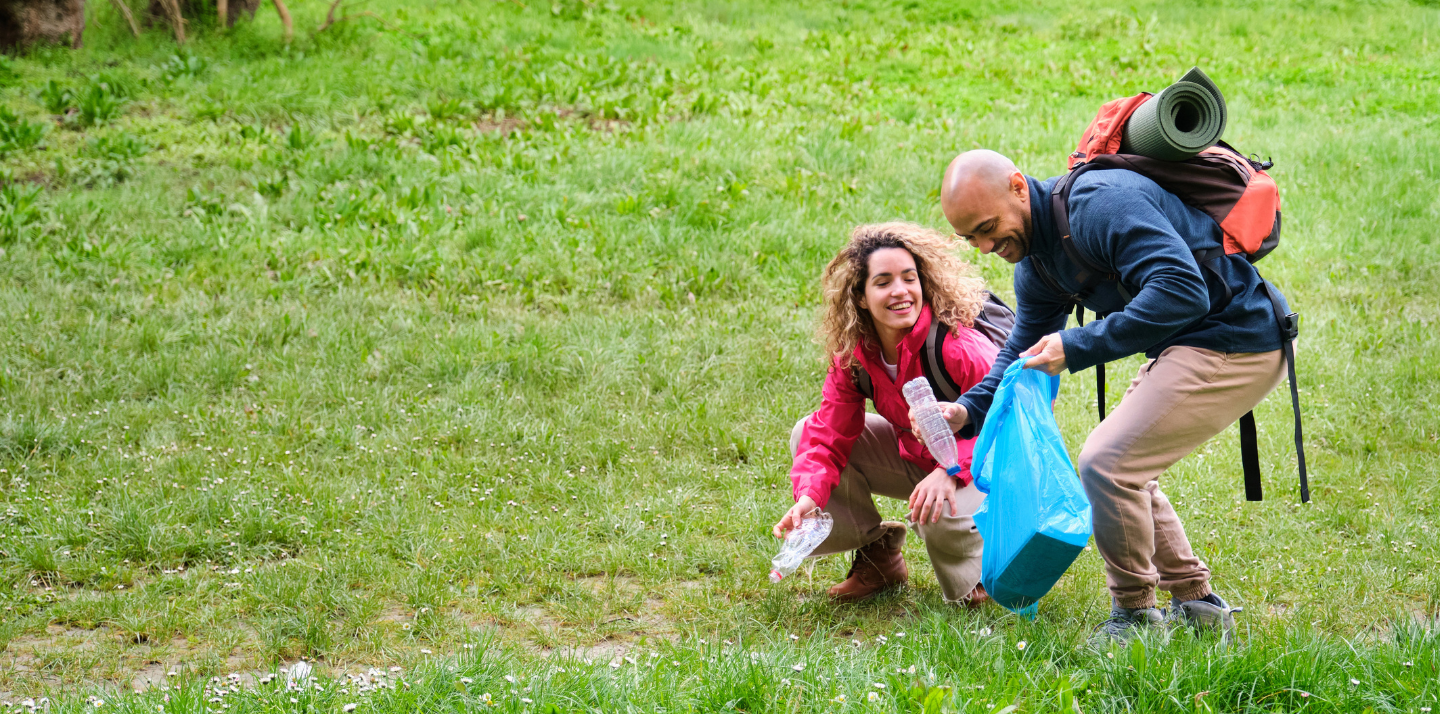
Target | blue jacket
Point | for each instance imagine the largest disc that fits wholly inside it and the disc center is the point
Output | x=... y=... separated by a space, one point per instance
x=1127 y=224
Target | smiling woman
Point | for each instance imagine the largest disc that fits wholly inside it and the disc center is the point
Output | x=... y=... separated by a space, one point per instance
x=882 y=291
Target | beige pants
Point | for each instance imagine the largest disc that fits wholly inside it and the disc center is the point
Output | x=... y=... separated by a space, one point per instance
x=1175 y=403
x=876 y=467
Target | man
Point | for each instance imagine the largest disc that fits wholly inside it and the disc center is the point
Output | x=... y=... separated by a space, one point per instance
x=1211 y=359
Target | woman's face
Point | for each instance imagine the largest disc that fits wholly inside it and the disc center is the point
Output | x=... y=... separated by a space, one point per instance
x=892 y=292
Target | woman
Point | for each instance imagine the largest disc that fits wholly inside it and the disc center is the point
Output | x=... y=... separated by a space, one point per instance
x=881 y=292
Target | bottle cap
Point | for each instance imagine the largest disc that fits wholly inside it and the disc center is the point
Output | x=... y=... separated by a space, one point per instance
x=954 y=471
x=775 y=576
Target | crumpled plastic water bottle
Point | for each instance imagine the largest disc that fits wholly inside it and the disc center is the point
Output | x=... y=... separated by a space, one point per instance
x=934 y=430
x=814 y=528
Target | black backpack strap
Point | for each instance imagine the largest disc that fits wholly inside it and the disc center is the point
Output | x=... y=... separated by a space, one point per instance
x=1250 y=457
x=1089 y=274
x=1099 y=368
x=1207 y=260
x=862 y=381
x=933 y=362
x=1289 y=330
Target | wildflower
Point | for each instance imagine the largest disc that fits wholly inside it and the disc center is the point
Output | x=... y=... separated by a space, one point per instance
x=877 y=685
x=526 y=700
x=510 y=678
x=799 y=667
x=349 y=707
x=1020 y=645
x=839 y=699
x=899 y=634
x=873 y=697
x=794 y=638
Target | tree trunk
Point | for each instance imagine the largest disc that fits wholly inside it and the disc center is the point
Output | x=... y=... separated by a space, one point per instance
x=25 y=22
x=204 y=8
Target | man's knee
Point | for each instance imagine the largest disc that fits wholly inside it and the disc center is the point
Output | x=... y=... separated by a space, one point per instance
x=795 y=435
x=1095 y=467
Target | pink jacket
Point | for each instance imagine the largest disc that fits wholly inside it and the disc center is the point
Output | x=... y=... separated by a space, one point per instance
x=832 y=430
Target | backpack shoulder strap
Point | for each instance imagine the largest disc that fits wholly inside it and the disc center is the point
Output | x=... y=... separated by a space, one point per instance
x=933 y=362
x=862 y=382
x=1089 y=274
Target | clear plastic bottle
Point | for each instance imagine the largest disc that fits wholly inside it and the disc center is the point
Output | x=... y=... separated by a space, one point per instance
x=814 y=528
x=934 y=430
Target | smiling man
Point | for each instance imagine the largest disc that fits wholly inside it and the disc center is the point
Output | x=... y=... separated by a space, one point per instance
x=1210 y=335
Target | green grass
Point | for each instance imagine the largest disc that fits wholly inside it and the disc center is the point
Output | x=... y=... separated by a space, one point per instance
x=472 y=346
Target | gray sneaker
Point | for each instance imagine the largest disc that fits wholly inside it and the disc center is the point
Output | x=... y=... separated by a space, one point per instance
x=1204 y=615
x=1124 y=624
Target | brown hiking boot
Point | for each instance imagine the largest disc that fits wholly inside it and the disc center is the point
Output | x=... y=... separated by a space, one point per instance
x=877 y=567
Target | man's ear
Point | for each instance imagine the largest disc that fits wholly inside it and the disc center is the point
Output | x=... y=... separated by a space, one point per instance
x=1019 y=186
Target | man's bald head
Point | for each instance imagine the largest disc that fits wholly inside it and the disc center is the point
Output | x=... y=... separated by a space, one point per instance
x=987 y=201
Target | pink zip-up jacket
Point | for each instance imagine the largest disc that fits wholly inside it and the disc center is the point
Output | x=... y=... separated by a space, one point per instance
x=832 y=430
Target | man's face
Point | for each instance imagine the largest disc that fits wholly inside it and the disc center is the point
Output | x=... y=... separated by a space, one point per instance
x=994 y=219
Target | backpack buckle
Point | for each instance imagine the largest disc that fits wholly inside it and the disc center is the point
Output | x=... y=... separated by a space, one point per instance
x=1291 y=326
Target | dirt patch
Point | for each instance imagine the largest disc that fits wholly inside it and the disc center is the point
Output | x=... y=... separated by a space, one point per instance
x=506 y=126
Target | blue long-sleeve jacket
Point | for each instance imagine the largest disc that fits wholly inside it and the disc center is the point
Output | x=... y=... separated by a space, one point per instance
x=1125 y=223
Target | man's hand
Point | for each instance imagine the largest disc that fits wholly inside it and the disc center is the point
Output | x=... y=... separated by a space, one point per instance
x=791 y=520
x=955 y=415
x=1048 y=355
x=930 y=496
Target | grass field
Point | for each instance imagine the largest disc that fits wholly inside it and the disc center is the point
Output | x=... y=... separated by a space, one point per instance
x=469 y=344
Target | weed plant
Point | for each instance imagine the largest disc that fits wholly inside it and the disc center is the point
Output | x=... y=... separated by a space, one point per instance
x=469 y=343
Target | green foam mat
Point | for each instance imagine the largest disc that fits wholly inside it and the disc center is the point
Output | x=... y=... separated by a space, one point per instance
x=1181 y=121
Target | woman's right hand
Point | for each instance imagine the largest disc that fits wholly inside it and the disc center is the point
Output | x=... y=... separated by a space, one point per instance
x=791 y=520
x=955 y=415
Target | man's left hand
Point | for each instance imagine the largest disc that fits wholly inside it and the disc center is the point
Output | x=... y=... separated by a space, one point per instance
x=1048 y=355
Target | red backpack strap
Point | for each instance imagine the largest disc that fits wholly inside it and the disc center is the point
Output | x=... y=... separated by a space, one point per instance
x=1107 y=129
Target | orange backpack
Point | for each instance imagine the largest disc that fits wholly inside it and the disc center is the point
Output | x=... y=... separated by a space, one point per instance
x=1235 y=192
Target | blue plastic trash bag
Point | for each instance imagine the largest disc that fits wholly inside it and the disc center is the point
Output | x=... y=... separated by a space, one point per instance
x=1036 y=519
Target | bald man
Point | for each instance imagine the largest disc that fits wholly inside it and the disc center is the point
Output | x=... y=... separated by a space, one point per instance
x=1212 y=359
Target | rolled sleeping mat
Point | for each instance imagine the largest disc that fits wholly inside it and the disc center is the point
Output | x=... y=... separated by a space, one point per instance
x=1184 y=119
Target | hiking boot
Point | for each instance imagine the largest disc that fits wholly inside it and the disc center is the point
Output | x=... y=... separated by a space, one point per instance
x=877 y=567
x=1124 y=624
x=1208 y=614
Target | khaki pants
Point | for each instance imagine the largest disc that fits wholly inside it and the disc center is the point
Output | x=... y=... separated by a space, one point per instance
x=1175 y=403
x=876 y=467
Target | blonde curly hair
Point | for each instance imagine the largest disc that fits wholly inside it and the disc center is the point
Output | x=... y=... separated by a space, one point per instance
x=949 y=286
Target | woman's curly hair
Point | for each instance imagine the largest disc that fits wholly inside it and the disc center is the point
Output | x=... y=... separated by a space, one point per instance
x=955 y=295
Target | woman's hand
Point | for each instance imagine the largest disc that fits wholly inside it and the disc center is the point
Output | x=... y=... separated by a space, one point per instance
x=791 y=520
x=930 y=496
x=955 y=415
